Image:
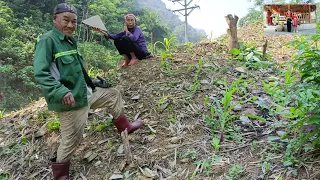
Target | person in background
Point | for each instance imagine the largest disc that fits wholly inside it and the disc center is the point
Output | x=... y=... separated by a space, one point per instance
x=275 y=19
x=269 y=18
x=289 y=20
x=295 y=22
x=131 y=42
x=69 y=91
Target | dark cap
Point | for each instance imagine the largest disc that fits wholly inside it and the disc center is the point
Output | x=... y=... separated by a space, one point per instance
x=64 y=7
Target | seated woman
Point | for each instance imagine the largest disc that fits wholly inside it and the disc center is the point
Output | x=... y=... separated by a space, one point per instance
x=131 y=42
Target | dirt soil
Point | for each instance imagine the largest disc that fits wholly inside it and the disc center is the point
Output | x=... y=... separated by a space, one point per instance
x=175 y=142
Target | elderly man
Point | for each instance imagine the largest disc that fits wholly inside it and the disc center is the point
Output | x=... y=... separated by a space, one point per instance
x=68 y=90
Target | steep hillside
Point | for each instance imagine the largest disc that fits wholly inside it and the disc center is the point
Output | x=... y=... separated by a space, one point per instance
x=176 y=98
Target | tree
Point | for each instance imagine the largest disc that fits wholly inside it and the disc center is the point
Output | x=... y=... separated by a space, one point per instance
x=251 y=17
x=260 y=3
x=152 y=25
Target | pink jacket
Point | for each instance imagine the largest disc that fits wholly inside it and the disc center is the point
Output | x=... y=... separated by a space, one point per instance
x=295 y=21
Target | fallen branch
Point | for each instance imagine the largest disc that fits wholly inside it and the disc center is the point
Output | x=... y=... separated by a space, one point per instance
x=235 y=148
x=126 y=146
x=264 y=49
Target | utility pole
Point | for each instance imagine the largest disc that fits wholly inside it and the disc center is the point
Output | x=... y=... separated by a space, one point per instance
x=185 y=14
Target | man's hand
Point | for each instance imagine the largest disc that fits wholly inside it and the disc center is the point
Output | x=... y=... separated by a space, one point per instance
x=68 y=100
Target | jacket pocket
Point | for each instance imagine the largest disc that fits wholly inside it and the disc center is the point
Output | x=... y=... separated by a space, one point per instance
x=69 y=66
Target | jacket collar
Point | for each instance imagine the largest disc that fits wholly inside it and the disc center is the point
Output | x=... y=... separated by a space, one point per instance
x=63 y=36
x=58 y=33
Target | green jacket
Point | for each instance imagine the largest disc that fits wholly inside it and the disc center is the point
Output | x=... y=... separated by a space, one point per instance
x=55 y=52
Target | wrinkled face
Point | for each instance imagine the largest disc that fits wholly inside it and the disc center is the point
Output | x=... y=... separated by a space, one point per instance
x=130 y=21
x=66 y=22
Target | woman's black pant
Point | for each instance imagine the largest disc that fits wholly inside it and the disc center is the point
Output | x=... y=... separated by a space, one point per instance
x=125 y=46
x=289 y=25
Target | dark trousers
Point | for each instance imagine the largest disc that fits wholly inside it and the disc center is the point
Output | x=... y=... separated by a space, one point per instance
x=289 y=25
x=125 y=46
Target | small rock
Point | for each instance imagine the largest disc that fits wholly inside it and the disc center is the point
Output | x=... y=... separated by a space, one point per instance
x=163 y=106
x=116 y=177
x=97 y=163
x=172 y=146
x=92 y=157
x=240 y=69
x=174 y=140
x=152 y=130
x=84 y=135
x=273 y=79
x=255 y=92
x=252 y=111
x=204 y=81
x=244 y=119
x=150 y=138
x=120 y=149
x=209 y=65
x=43 y=130
x=238 y=107
x=103 y=141
x=143 y=178
x=148 y=173
x=151 y=123
x=87 y=155
x=185 y=160
x=153 y=151
x=122 y=165
x=137 y=97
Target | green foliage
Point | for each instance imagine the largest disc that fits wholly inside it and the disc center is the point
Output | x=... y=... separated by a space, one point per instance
x=252 y=57
x=234 y=172
x=196 y=78
x=252 y=16
x=215 y=143
x=43 y=114
x=298 y=101
x=53 y=124
x=16 y=59
x=2 y=112
x=167 y=44
x=5 y=175
x=307 y=58
x=98 y=56
x=21 y=25
x=224 y=111
x=94 y=72
x=100 y=125
x=152 y=25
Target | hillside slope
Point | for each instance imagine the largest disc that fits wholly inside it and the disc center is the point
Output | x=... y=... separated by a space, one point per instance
x=176 y=141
